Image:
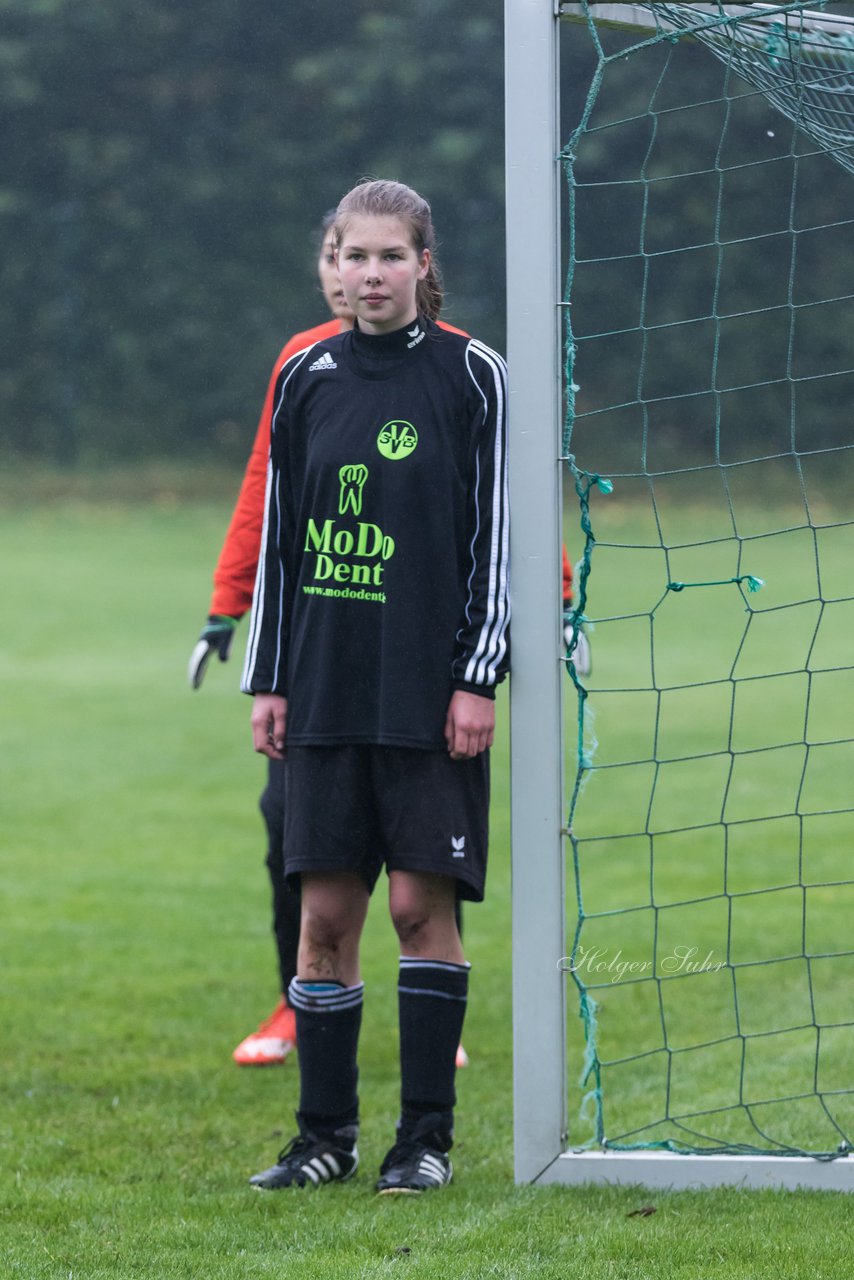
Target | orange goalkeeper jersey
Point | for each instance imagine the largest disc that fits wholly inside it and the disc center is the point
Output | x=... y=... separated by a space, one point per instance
x=567 y=578
x=234 y=576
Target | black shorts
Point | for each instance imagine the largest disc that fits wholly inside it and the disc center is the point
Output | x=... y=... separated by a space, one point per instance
x=357 y=808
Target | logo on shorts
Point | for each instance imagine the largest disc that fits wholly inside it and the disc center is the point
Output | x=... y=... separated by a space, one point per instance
x=458 y=846
x=397 y=440
x=352 y=483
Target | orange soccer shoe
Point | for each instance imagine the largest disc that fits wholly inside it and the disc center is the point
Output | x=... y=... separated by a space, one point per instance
x=272 y=1042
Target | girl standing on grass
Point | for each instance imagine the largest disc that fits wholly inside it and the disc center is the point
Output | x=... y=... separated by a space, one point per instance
x=234 y=580
x=379 y=632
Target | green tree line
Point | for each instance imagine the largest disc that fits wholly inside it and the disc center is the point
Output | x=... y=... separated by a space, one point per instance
x=165 y=164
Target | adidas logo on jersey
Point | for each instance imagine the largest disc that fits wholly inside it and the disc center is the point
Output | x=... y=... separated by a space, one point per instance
x=458 y=846
x=323 y=362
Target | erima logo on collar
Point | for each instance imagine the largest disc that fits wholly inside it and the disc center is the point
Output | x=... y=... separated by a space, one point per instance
x=417 y=335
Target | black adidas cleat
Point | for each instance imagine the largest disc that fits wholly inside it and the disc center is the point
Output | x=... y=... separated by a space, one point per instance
x=310 y=1160
x=417 y=1162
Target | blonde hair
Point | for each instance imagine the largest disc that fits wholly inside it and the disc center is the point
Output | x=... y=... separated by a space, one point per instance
x=392 y=199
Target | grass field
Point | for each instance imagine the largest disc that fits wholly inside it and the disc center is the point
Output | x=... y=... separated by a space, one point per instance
x=135 y=952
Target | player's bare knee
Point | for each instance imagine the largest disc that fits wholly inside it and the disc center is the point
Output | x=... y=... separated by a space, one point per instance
x=411 y=922
x=323 y=928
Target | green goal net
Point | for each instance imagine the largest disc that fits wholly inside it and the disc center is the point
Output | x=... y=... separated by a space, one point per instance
x=709 y=320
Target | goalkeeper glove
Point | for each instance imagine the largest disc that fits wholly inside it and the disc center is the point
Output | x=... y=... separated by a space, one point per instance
x=580 y=655
x=217 y=635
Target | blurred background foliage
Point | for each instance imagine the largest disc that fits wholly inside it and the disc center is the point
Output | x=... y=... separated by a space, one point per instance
x=165 y=165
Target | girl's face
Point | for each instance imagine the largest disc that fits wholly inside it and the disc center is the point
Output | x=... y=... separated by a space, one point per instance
x=379 y=269
x=330 y=281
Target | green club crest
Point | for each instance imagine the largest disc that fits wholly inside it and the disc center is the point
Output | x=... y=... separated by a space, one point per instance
x=352 y=479
x=397 y=440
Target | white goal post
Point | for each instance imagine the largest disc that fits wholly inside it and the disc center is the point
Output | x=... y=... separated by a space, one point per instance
x=543 y=1132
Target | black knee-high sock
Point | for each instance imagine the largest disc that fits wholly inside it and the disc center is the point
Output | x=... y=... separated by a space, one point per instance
x=432 y=997
x=328 y=1016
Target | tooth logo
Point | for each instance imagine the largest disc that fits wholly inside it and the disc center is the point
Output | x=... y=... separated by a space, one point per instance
x=352 y=480
x=397 y=440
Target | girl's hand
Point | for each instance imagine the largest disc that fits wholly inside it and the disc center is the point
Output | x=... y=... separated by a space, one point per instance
x=269 y=714
x=469 y=725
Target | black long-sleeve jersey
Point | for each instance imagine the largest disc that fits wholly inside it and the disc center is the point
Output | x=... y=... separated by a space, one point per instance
x=382 y=584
